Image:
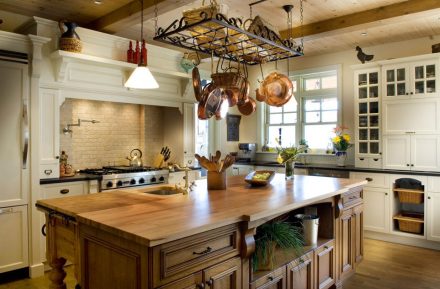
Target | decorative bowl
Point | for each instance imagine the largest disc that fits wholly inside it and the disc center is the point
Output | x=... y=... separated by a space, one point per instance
x=255 y=181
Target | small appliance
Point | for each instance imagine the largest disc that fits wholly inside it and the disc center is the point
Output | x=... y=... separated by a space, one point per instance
x=246 y=152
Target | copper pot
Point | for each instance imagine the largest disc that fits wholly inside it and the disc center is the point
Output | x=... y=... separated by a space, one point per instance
x=196 y=83
x=260 y=94
x=277 y=88
x=201 y=111
x=232 y=95
x=247 y=106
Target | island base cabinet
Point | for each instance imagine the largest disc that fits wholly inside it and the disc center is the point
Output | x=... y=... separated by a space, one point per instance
x=325 y=265
x=300 y=273
x=274 y=280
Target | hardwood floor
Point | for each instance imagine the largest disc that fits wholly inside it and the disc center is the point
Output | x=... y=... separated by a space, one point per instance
x=385 y=266
x=393 y=266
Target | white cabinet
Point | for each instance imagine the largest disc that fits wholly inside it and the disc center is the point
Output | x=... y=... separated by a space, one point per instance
x=189 y=138
x=376 y=209
x=410 y=79
x=14 y=134
x=417 y=152
x=178 y=178
x=367 y=121
x=415 y=116
x=14 y=238
x=433 y=216
x=49 y=133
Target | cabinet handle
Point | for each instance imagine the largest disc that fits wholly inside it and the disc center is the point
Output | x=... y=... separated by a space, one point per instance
x=407 y=93
x=361 y=159
x=412 y=165
x=429 y=198
x=386 y=194
x=206 y=251
x=43 y=230
x=411 y=93
x=407 y=165
x=57 y=157
x=25 y=122
x=270 y=278
x=64 y=191
x=369 y=179
x=375 y=160
x=6 y=210
x=326 y=247
x=301 y=260
x=209 y=282
x=200 y=286
x=48 y=172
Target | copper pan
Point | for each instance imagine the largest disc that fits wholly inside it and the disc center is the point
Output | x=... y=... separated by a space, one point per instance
x=247 y=106
x=244 y=91
x=222 y=110
x=196 y=83
x=278 y=89
x=232 y=94
x=260 y=94
x=201 y=111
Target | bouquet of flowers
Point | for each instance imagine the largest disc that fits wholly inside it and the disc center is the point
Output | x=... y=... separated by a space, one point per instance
x=288 y=153
x=341 y=141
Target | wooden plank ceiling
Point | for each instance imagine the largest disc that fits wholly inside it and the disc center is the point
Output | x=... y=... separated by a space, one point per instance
x=329 y=25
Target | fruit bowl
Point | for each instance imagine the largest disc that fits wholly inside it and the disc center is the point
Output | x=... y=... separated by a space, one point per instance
x=259 y=178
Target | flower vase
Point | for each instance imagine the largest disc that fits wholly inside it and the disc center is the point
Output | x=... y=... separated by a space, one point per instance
x=289 y=169
x=341 y=156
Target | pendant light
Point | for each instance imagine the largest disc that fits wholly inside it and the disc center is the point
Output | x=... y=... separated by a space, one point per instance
x=141 y=77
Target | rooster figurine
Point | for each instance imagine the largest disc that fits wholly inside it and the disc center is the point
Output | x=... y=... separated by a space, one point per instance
x=362 y=56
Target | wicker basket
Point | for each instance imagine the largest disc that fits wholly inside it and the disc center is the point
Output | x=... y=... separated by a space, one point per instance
x=71 y=44
x=410 y=222
x=410 y=196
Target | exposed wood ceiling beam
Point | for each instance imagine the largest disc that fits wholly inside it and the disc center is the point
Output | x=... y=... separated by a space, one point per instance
x=363 y=18
x=132 y=9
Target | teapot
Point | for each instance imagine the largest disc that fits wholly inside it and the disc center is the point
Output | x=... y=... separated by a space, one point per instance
x=135 y=158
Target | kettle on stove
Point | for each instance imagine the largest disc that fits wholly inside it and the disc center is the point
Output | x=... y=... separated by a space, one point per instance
x=135 y=158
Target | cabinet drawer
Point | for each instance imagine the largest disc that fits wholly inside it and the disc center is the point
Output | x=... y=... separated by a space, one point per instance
x=374 y=180
x=272 y=278
x=351 y=198
x=49 y=171
x=188 y=255
x=63 y=190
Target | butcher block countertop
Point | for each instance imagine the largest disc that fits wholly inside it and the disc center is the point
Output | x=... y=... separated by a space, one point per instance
x=152 y=220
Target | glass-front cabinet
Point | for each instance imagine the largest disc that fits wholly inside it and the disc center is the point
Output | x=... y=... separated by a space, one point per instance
x=414 y=79
x=367 y=108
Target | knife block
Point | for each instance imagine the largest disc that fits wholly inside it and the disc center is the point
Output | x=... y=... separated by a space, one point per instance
x=216 y=180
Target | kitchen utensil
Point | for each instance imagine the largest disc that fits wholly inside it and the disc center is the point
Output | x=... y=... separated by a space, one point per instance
x=247 y=107
x=135 y=158
x=217 y=156
x=196 y=83
x=166 y=154
x=158 y=161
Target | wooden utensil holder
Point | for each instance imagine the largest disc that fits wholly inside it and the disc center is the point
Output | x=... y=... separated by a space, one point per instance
x=216 y=180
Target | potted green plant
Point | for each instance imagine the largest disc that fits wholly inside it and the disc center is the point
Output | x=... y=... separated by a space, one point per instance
x=287 y=156
x=270 y=236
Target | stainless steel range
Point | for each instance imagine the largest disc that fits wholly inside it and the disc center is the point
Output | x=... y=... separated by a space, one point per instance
x=123 y=177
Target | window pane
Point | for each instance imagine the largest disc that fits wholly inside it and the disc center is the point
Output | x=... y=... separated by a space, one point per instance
x=291 y=105
x=318 y=136
x=295 y=85
x=329 y=103
x=285 y=133
x=275 y=109
x=329 y=82
x=312 y=84
x=275 y=118
x=330 y=116
x=312 y=104
x=290 y=118
x=313 y=116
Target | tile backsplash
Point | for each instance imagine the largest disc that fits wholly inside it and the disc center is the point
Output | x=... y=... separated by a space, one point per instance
x=121 y=128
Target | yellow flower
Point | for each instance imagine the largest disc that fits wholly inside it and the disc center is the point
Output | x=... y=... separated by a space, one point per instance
x=279 y=159
x=346 y=137
x=336 y=139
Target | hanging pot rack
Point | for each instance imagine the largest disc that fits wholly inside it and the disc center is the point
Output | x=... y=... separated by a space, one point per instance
x=226 y=38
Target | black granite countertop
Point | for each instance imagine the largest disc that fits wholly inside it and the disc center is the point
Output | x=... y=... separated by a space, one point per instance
x=76 y=178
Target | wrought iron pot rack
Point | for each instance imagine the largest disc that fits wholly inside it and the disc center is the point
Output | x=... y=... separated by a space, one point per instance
x=226 y=38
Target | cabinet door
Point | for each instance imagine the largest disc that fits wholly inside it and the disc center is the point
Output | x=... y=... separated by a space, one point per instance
x=49 y=133
x=376 y=210
x=425 y=152
x=274 y=280
x=300 y=273
x=433 y=216
x=395 y=81
x=14 y=238
x=193 y=281
x=14 y=176
x=226 y=275
x=397 y=152
x=345 y=234
x=358 y=233
x=189 y=141
x=424 y=78
x=325 y=266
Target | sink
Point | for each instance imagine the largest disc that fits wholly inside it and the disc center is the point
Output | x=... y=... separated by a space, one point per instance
x=163 y=191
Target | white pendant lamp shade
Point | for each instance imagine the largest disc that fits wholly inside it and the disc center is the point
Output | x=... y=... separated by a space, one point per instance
x=141 y=78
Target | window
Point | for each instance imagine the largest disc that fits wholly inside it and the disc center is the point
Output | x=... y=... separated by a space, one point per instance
x=315 y=115
x=281 y=123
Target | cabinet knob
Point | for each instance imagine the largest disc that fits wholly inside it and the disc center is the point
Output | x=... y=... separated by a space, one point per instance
x=64 y=191
x=270 y=278
x=412 y=165
x=407 y=165
x=429 y=198
x=369 y=179
x=386 y=194
x=326 y=247
x=200 y=286
x=411 y=93
x=209 y=282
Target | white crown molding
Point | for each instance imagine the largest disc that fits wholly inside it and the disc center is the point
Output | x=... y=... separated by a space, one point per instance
x=14 y=42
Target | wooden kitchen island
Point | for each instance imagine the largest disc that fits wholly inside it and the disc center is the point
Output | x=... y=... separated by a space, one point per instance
x=130 y=239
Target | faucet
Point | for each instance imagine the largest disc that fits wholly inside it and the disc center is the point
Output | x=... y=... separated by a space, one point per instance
x=187 y=188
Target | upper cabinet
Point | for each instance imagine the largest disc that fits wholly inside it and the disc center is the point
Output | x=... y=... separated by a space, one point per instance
x=367 y=109
x=410 y=79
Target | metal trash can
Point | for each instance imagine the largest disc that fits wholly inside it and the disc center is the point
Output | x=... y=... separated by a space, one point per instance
x=310 y=224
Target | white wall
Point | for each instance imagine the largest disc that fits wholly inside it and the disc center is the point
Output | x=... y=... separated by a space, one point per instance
x=346 y=59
